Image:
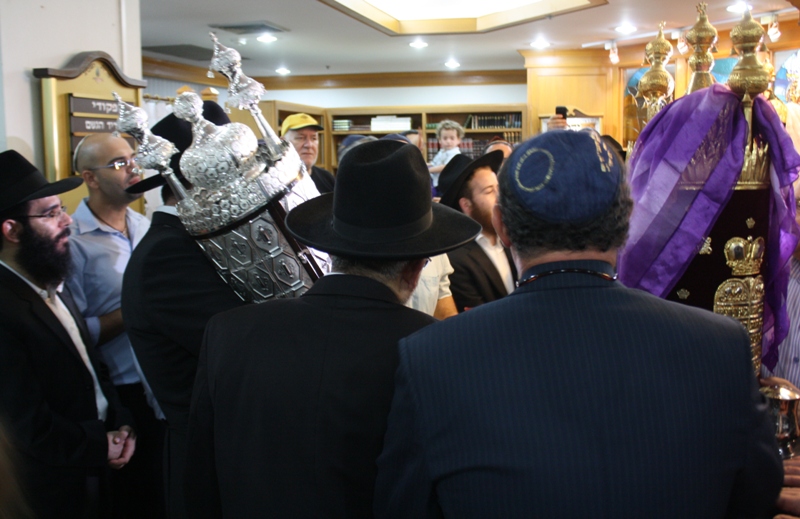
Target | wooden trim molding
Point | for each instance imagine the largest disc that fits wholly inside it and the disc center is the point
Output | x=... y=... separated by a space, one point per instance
x=164 y=69
x=396 y=79
x=81 y=61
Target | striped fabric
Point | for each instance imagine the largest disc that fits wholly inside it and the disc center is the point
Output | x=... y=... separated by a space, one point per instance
x=788 y=366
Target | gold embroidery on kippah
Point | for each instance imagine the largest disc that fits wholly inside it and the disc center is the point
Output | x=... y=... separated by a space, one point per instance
x=683 y=294
x=547 y=177
x=603 y=154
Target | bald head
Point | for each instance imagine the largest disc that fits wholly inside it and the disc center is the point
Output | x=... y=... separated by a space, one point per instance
x=104 y=162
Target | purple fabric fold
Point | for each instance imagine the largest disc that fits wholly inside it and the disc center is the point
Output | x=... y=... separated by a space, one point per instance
x=666 y=229
x=783 y=230
x=668 y=226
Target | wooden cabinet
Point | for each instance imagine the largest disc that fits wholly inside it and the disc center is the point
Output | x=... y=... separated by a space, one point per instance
x=481 y=124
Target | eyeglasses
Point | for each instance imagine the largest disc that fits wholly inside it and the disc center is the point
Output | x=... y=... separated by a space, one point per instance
x=118 y=165
x=53 y=214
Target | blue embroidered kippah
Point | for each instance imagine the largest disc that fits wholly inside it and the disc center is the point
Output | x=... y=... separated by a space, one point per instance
x=565 y=176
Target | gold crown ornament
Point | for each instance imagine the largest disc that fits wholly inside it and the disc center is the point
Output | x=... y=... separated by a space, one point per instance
x=745 y=256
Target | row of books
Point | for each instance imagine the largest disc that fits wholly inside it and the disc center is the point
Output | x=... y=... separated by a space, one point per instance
x=342 y=125
x=473 y=148
x=487 y=122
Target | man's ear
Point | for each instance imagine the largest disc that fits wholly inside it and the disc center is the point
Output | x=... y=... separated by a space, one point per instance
x=11 y=229
x=500 y=227
x=411 y=272
x=466 y=205
x=89 y=178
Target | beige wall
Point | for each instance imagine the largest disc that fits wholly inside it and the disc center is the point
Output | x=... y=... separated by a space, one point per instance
x=46 y=34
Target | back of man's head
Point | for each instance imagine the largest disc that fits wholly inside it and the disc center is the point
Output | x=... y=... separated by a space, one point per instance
x=564 y=191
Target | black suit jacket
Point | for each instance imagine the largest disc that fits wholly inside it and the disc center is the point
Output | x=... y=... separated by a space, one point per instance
x=169 y=292
x=323 y=179
x=577 y=397
x=475 y=279
x=47 y=401
x=291 y=399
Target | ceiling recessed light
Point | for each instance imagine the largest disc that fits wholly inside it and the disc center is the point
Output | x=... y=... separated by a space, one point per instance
x=267 y=38
x=418 y=44
x=452 y=63
x=739 y=7
x=242 y=41
x=540 y=43
x=626 y=28
x=283 y=71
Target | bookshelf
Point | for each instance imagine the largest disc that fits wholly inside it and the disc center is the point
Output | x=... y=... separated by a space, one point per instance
x=276 y=111
x=481 y=122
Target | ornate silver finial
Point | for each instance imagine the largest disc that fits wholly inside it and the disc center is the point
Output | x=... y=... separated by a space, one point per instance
x=153 y=152
x=244 y=93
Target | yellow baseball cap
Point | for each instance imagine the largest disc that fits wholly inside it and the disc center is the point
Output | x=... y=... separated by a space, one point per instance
x=299 y=121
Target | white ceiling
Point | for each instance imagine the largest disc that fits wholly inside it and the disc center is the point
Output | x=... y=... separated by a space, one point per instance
x=322 y=40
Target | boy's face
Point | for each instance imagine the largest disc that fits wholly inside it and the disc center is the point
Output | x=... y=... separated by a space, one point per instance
x=448 y=139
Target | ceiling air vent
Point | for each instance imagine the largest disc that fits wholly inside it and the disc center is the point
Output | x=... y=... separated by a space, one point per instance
x=250 y=28
x=190 y=52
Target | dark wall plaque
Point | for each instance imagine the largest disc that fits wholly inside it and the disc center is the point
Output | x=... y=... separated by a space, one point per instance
x=92 y=125
x=93 y=106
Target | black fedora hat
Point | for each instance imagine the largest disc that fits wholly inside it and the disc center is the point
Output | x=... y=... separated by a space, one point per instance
x=456 y=172
x=20 y=181
x=179 y=133
x=381 y=208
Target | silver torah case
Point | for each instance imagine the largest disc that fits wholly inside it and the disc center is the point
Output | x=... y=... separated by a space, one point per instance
x=233 y=209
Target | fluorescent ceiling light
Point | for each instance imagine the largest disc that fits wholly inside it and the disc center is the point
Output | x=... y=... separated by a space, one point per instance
x=626 y=28
x=540 y=43
x=451 y=63
x=443 y=9
x=418 y=44
x=283 y=71
x=739 y=7
x=267 y=38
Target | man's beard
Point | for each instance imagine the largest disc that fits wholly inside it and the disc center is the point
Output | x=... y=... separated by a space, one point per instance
x=40 y=257
x=485 y=219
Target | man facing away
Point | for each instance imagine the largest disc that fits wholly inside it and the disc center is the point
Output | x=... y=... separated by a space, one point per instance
x=291 y=397
x=482 y=269
x=575 y=396
x=62 y=412
x=169 y=292
x=104 y=233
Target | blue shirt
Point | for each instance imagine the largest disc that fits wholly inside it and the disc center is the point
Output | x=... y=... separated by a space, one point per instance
x=99 y=256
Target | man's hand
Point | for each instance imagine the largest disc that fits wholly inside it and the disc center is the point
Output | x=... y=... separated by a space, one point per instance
x=556 y=122
x=121 y=445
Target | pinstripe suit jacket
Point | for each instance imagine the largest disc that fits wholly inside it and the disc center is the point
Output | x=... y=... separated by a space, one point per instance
x=578 y=397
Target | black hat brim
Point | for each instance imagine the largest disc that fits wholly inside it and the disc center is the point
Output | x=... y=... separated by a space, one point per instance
x=492 y=160
x=312 y=224
x=147 y=184
x=54 y=188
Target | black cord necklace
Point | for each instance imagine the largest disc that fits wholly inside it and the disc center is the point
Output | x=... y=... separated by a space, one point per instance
x=533 y=277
